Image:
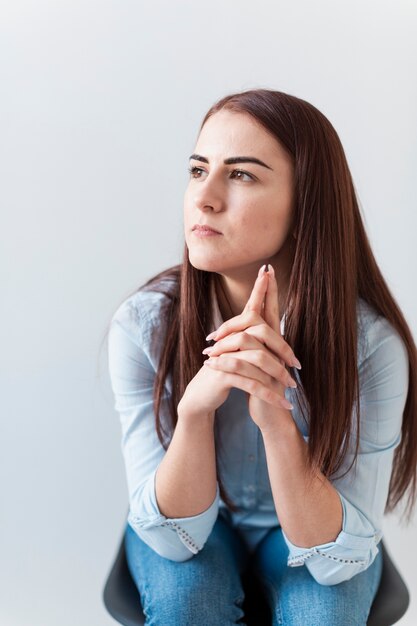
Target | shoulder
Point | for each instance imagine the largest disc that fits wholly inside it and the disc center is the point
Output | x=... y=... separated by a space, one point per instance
x=143 y=310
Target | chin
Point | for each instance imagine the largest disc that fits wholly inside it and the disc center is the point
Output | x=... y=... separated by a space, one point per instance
x=206 y=265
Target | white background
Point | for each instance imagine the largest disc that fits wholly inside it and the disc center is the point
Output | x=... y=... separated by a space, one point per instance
x=100 y=106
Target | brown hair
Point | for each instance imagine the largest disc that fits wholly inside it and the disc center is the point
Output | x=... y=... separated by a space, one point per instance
x=333 y=265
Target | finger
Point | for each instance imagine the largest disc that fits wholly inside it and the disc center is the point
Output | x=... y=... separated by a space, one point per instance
x=232 y=342
x=253 y=352
x=266 y=339
x=255 y=305
x=271 y=312
x=265 y=362
x=257 y=295
x=236 y=373
x=236 y=324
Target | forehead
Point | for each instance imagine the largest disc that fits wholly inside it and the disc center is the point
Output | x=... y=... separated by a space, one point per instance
x=227 y=133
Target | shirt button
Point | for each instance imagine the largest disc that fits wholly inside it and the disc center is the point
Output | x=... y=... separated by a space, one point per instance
x=251 y=457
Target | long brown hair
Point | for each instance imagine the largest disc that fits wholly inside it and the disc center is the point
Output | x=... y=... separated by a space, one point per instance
x=333 y=265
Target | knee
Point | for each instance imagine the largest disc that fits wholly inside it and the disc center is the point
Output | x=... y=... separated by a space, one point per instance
x=197 y=602
x=298 y=608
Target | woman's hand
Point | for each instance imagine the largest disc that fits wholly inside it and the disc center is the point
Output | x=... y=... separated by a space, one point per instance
x=251 y=351
x=204 y=394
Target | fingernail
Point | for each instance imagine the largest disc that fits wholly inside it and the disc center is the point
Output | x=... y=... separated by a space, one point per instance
x=296 y=363
x=211 y=336
x=292 y=383
x=261 y=270
x=207 y=350
x=287 y=404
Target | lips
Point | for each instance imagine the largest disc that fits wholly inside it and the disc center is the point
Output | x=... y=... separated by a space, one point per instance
x=204 y=227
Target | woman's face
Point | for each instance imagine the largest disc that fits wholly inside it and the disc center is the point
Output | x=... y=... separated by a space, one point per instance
x=252 y=209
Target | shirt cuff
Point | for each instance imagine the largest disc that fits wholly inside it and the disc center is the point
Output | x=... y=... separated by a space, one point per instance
x=192 y=531
x=338 y=560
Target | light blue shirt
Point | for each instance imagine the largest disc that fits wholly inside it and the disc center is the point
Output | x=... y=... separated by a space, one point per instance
x=134 y=347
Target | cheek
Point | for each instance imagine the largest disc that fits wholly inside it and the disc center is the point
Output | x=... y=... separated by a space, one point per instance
x=255 y=222
x=249 y=218
x=262 y=232
x=188 y=213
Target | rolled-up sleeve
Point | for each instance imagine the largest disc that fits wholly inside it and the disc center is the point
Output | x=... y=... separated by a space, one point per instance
x=132 y=377
x=363 y=491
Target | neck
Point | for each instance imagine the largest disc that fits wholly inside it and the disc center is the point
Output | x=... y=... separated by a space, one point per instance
x=233 y=290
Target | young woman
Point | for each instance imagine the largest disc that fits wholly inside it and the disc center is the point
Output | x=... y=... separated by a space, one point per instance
x=289 y=444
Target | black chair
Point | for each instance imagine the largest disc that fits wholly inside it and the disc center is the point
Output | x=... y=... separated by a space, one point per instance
x=122 y=600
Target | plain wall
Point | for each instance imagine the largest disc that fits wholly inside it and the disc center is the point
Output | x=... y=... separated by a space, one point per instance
x=99 y=110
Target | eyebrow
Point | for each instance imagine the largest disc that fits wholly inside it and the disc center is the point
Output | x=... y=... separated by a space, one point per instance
x=241 y=159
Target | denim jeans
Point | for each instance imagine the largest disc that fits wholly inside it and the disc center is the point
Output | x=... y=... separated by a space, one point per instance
x=207 y=589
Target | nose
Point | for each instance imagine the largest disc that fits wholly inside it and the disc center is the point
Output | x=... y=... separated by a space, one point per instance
x=209 y=196
x=208 y=201
x=205 y=207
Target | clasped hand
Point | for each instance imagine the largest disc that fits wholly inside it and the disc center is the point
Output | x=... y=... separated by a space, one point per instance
x=250 y=347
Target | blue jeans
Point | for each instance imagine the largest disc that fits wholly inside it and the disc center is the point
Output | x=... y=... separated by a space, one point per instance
x=207 y=589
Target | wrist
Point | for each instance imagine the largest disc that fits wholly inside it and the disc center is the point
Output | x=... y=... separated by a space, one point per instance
x=284 y=426
x=191 y=419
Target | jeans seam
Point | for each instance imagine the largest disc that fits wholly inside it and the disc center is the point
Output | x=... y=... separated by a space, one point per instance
x=239 y=600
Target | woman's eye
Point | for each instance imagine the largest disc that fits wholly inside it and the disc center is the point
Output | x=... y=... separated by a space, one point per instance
x=194 y=170
x=244 y=174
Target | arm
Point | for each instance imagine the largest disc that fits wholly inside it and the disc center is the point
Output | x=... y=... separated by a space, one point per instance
x=186 y=478
x=309 y=512
x=187 y=487
x=337 y=540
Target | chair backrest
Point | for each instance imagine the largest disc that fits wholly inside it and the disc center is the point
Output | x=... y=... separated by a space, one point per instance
x=122 y=600
x=392 y=598
x=120 y=595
